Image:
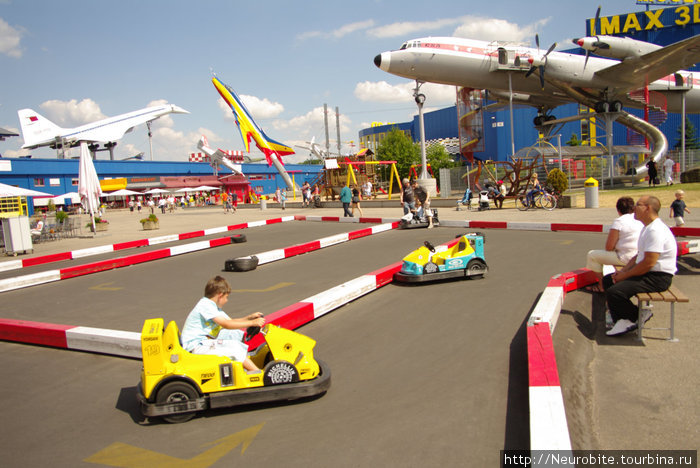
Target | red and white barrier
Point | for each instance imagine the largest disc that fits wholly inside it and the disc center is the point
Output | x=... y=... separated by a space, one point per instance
x=94 y=340
x=89 y=268
x=548 y=426
x=279 y=254
x=82 y=253
x=128 y=344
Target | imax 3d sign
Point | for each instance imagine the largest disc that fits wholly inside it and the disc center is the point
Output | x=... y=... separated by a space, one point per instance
x=646 y=20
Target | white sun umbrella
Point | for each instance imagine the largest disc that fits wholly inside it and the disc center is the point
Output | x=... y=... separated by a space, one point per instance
x=88 y=183
x=121 y=193
x=205 y=188
x=186 y=189
x=11 y=191
x=156 y=190
x=60 y=199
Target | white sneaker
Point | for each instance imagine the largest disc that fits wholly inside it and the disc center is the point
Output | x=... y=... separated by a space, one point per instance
x=621 y=327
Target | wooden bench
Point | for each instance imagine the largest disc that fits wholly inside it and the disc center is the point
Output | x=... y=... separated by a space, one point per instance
x=672 y=295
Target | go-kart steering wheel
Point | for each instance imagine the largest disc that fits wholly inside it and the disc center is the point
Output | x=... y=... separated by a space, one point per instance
x=429 y=246
x=250 y=333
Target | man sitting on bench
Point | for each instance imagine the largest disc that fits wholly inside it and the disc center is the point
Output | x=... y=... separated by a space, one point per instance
x=651 y=270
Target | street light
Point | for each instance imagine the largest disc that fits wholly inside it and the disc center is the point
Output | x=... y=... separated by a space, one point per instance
x=420 y=100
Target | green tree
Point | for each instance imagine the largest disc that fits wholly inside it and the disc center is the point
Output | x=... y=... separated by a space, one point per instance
x=691 y=140
x=574 y=141
x=397 y=146
x=438 y=158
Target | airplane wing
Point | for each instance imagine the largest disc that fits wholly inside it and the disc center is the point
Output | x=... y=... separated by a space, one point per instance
x=635 y=73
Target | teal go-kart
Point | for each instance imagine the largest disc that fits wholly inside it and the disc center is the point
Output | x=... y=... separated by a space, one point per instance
x=459 y=259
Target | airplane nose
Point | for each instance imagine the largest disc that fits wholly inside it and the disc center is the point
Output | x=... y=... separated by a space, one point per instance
x=383 y=60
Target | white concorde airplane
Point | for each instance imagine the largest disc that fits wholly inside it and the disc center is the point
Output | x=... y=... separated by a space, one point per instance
x=39 y=131
x=604 y=84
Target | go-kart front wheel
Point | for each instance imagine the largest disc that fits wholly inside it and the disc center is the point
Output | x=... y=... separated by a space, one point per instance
x=476 y=268
x=176 y=392
x=280 y=372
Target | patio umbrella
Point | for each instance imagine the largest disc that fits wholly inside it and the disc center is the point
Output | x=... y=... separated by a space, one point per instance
x=186 y=189
x=60 y=199
x=88 y=183
x=205 y=188
x=121 y=193
x=11 y=191
x=156 y=190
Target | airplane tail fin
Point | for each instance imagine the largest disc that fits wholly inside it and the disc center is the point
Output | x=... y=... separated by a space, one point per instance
x=36 y=128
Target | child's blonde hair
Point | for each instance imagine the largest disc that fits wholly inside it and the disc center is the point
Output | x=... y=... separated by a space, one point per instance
x=680 y=192
x=216 y=285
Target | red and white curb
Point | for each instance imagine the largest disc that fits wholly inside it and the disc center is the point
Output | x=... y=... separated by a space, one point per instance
x=280 y=254
x=128 y=344
x=265 y=257
x=102 y=249
x=50 y=276
x=94 y=340
x=548 y=426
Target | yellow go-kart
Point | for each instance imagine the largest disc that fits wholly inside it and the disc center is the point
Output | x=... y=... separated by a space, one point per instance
x=176 y=384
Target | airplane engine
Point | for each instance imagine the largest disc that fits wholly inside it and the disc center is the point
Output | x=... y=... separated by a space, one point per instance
x=615 y=47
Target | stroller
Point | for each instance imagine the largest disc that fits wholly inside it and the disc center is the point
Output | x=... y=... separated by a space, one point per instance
x=484 y=200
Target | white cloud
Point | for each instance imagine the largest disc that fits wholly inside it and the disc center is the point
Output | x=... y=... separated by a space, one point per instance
x=312 y=124
x=339 y=32
x=382 y=91
x=10 y=40
x=473 y=27
x=491 y=29
x=351 y=28
x=258 y=108
x=410 y=27
x=72 y=113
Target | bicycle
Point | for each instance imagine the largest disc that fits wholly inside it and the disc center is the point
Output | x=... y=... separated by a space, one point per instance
x=545 y=199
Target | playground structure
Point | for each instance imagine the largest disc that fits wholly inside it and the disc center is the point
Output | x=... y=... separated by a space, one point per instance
x=356 y=170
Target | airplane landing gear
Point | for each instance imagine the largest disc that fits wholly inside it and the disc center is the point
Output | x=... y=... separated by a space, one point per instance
x=602 y=107
x=541 y=119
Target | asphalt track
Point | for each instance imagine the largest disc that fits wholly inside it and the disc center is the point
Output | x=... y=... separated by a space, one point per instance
x=421 y=374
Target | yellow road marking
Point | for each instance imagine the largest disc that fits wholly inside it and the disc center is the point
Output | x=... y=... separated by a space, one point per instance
x=128 y=456
x=271 y=288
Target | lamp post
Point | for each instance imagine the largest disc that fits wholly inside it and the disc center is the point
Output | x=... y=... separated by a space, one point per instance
x=424 y=180
x=420 y=99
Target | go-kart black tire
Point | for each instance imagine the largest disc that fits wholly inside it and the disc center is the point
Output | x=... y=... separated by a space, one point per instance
x=280 y=372
x=174 y=392
x=242 y=264
x=238 y=238
x=430 y=268
x=476 y=268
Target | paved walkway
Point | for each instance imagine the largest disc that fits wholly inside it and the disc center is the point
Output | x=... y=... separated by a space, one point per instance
x=648 y=393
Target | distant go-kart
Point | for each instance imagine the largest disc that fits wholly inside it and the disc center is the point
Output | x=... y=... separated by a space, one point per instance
x=176 y=384
x=413 y=221
x=428 y=263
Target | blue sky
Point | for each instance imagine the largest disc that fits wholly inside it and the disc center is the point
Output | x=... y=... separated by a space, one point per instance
x=75 y=61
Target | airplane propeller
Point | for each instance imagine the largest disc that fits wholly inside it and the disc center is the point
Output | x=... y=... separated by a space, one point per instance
x=591 y=44
x=541 y=62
